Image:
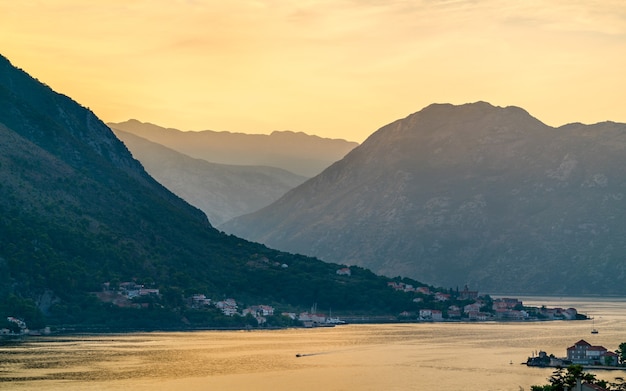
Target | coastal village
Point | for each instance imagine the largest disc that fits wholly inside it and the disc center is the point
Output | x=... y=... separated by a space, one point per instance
x=476 y=307
x=427 y=305
x=130 y=294
x=433 y=306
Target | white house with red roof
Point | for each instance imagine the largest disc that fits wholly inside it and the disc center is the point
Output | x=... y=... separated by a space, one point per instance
x=345 y=271
x=442 y=296
x=437 y=315
x=427 y=314
x=423 y=289
x=582 y=352
x=474 y=307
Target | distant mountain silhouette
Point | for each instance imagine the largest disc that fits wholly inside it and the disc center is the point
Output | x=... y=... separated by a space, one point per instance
x=296 y=152
x=471 y=194
x=221 y=191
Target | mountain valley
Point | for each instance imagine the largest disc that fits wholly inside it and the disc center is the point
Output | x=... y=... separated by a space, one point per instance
x=221 y=191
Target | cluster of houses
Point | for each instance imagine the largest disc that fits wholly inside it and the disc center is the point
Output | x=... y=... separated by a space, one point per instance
x=582 y=352
x=125 y=293
x=465 y=294
x=480 y=309
x=132 y=290
x=502 y=309
x=229 y=307
x=21 y=328
x=20 y=325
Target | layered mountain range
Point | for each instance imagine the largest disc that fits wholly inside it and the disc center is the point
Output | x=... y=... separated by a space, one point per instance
x=471 y=194
x=296 y=152
x=221 y=191
x=79 y=213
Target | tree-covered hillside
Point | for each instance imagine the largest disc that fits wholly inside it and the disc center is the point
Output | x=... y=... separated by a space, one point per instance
x=77 y=211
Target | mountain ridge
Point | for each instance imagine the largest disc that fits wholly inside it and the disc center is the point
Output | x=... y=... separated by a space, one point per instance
x=448 y=193
x=298 y=152
x=136 y=122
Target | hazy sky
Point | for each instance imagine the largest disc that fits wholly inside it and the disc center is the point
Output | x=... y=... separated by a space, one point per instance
x=340 y=68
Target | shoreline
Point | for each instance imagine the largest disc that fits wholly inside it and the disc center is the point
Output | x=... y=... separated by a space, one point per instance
x=585 y=367
x=75 y=330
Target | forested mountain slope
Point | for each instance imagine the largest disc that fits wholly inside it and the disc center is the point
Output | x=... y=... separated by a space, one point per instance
x=76 y=211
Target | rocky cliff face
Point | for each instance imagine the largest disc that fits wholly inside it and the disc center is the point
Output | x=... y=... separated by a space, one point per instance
x=473 y=194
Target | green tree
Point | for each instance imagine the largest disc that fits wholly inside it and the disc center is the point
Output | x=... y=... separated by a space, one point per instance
x=11 y=326
x=22 y=308
x=562 y=379
x=557 y=380
x=172 y=296
x=575 y=372
x=621 y=353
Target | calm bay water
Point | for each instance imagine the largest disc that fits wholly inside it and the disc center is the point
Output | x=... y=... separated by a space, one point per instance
x=442 y=356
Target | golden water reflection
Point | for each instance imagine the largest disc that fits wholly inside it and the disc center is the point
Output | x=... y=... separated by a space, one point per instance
x=442 y=356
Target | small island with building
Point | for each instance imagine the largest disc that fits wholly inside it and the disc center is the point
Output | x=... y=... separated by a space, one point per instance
x=584 y=354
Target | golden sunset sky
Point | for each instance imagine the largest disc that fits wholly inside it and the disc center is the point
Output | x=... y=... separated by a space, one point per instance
x=340 y=68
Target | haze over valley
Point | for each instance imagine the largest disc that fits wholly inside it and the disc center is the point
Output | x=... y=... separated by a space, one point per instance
x=221 y=191
x=297 y=152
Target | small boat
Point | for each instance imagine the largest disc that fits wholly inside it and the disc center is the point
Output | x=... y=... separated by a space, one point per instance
x=333 y=321
x=594 y=330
